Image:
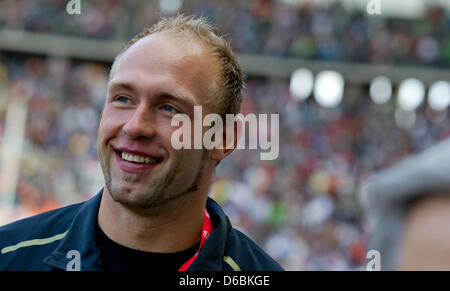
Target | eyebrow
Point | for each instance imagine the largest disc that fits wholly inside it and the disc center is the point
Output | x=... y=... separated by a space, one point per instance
x=129 y=87
x=124 y=85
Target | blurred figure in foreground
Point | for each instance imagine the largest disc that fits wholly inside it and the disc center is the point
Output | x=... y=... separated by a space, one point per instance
x=410 y=203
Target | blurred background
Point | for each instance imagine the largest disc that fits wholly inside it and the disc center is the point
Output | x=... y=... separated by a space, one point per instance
x=355 y=90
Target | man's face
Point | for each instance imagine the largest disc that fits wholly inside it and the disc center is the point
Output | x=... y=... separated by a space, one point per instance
x=159 y=76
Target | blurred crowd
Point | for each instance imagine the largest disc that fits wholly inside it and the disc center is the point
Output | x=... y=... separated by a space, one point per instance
x=309 y=30
x=302 y=208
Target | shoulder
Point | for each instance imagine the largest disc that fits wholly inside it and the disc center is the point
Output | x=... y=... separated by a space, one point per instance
x=43 y=225
x=239 y=251
x=247 y=255
x=25 y=243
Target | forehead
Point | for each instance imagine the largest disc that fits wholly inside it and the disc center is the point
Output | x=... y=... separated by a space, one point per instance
x=170 y=62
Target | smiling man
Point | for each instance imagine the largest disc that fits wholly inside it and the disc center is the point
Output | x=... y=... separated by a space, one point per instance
x=154 y=212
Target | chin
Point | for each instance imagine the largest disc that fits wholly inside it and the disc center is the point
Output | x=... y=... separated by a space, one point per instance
x=135 y=197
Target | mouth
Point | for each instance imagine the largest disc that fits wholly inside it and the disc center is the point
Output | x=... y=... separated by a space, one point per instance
x=137 y=159
x=133 y=163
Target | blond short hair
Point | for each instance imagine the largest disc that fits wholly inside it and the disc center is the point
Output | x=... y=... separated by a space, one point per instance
x=228 y=94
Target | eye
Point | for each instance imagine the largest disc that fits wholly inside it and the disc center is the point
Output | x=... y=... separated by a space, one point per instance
x=169 y=108
x=123 y=99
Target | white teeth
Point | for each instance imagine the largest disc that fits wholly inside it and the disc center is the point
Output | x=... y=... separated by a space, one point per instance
x=137 y=159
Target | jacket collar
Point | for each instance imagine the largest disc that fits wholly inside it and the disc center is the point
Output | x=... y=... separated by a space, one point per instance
x=210 y=257
x=81 y=237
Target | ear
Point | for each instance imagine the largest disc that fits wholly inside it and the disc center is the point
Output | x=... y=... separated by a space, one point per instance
x=231 y=135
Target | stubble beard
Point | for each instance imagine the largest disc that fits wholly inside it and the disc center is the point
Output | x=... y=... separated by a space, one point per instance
x=155 y=194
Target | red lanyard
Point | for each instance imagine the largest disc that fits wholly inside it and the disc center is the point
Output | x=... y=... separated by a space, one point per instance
x=206 y=231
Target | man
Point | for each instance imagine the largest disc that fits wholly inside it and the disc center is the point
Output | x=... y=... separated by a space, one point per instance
x=151 y=215
x=410 y=204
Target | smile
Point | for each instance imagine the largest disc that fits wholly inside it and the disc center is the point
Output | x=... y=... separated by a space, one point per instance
x=138 y=159
x=133 y=163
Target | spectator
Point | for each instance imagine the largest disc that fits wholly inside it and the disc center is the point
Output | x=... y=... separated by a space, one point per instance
x=410 y=204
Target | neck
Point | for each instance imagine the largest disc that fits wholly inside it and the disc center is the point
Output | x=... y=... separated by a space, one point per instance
x=172 y=228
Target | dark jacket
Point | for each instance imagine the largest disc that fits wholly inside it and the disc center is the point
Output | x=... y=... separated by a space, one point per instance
x=43 y=242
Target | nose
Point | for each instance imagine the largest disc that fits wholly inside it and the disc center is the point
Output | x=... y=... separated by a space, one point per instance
x=141 y=124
